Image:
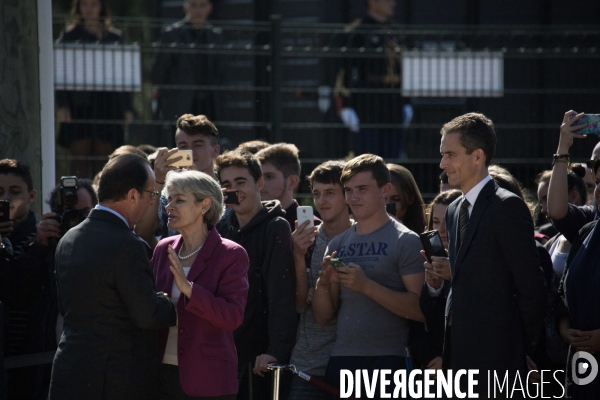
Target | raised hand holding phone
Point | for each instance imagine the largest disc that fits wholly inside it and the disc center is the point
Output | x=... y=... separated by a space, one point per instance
x=186 y=160
x=569 y=131
x=162 y=164
x=302 y=238
x=4 y=210
x=5 y=223
x=591 y=122
x=231 y=197
x=305 y=213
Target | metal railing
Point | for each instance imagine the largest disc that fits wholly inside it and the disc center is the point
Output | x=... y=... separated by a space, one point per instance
x=277 y=81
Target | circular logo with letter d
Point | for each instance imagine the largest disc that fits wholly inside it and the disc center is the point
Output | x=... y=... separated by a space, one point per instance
x=584 y=364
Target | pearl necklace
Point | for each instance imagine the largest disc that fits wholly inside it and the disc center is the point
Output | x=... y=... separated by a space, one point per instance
x=189 y=255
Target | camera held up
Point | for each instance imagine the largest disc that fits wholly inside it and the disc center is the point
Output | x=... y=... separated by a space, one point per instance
x=67 y=199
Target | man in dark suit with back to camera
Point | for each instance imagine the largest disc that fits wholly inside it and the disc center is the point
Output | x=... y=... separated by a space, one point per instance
x=495 y=312
x=109 y=346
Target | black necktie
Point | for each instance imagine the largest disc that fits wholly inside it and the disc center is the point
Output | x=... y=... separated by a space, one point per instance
x=463 y=219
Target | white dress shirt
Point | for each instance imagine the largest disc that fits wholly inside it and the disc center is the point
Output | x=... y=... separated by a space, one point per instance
x=110 y=210
x=472 y=194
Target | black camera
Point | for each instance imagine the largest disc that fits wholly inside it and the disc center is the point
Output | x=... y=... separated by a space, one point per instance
x=67 y=199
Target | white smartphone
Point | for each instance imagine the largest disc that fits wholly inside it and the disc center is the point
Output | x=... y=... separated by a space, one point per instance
x=187 y=158
x=305 y=213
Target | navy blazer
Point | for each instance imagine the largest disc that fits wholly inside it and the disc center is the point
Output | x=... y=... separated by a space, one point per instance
x=498 y=297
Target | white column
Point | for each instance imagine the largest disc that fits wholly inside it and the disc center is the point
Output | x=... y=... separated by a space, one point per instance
x=47 y=123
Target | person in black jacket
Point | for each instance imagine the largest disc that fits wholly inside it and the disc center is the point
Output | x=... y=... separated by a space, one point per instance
x=579 y=326
x=427 y=342
x=268 y=333
x=91 y=24
x=107 y=295
x=5 y=258
x=16 y=187
x=495 y=312
x=33 y=288
x=185 y=66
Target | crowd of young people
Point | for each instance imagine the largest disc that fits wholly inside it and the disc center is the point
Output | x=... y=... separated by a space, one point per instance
x=243 y=285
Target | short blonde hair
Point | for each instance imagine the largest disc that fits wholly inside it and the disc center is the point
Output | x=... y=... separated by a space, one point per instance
x=202 y=186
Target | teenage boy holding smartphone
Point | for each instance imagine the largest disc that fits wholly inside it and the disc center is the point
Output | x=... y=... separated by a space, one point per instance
x=198 y=134
x=375 y=295
x=281 y=172
x=314 y=342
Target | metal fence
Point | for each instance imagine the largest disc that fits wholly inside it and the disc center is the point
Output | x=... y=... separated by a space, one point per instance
x=298 y=83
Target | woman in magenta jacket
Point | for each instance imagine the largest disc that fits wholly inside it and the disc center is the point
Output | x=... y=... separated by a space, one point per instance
x=206 y=276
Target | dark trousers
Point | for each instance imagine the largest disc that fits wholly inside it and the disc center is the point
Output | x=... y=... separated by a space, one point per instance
x=170 y=387
x=352 y=363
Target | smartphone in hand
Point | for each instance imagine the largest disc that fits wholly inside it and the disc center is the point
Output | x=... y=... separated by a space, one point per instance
x=231 y=197
x=432 y=244
x=5 y=210
x=303 y=214
x=187 y=158
x=336 y=263
x=593 y=121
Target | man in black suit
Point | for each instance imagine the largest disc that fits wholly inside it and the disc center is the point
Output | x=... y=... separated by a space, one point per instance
x=109 y=346
x=495 y=312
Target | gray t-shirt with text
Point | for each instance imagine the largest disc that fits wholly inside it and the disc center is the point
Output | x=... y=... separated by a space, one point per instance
x=366 y=328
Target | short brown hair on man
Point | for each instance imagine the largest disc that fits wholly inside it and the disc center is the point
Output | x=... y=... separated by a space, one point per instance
x=253 y=146
x=127 y=149
x=477 y=132
x=367 y=162
x=328 y=172
x=240 y=160
x=283 y=156
x=198 y=125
